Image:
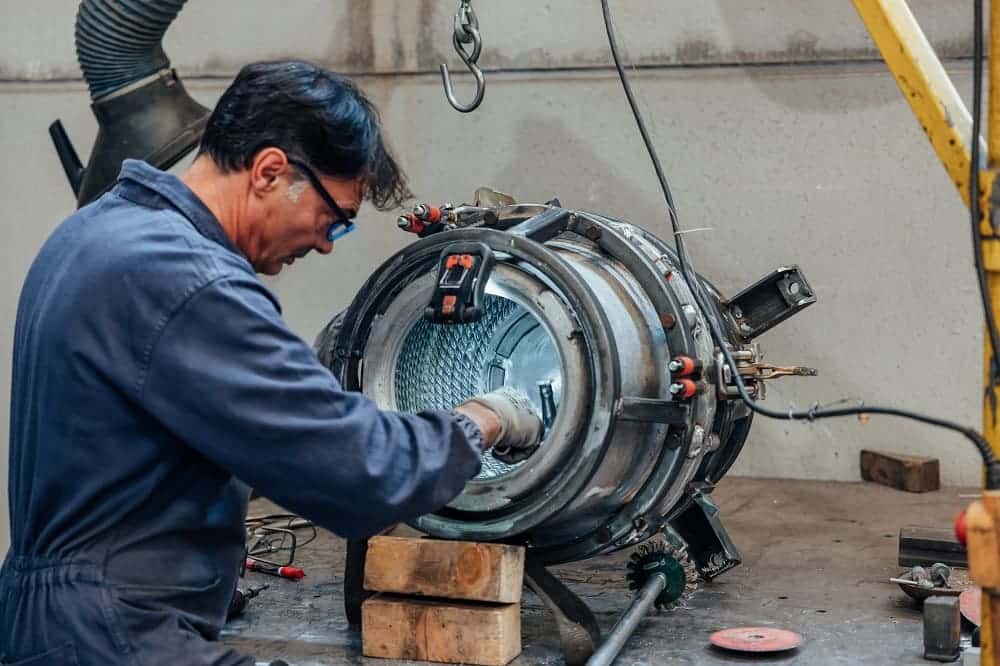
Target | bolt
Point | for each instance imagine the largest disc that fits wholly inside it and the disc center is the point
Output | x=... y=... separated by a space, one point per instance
x=690 y=314
x=737 y=311
x=402 y=222
x=593 y=233
x=674 y=366
x=667 y=320
x=713 y=441
x=676 y=388
x=745 y=329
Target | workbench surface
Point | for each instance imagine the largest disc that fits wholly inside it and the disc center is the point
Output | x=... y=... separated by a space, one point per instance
x=816 y=559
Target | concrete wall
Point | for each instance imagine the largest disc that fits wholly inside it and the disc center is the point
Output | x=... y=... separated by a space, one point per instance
x=807 y=154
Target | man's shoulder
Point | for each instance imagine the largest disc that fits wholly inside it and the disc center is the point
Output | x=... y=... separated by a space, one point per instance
x=132 y=259
x=124 y=239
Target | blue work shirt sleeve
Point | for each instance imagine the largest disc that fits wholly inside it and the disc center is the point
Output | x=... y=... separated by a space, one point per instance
x=228 y=378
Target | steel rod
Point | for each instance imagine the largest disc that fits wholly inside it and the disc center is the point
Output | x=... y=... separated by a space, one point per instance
x=626 y=625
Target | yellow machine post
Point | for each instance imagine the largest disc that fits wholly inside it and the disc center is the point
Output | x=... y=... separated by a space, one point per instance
x=924 y=83
x=948 y=124
x=989 y=637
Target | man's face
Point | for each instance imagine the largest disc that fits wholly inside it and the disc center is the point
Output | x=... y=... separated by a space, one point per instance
x=289 y=217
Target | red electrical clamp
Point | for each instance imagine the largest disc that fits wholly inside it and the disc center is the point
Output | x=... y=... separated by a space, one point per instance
x=409 y=223
x=427 y=213
x=685 y=366
x=423 y=218
x=683 y=389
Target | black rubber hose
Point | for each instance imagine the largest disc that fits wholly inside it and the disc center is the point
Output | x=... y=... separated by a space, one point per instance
x=119 y=42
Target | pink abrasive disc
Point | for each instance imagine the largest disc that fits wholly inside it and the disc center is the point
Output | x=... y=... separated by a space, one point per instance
x=756 y=639
x=971 y=604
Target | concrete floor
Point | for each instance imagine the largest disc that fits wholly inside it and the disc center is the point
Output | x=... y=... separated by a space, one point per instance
x=817 y=556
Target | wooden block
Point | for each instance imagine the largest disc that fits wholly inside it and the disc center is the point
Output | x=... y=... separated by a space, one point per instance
x=450 y=569
x=915 y=474
x=449 y=632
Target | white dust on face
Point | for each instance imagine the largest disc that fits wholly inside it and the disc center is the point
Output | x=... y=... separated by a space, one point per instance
x=295 y=190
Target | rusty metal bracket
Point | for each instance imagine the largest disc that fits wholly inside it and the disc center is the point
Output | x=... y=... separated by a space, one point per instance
x=579 y=635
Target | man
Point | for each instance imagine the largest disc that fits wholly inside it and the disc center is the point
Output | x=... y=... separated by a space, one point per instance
x=155 y=382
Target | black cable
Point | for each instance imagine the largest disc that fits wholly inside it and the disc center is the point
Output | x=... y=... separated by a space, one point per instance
x=974 y=209
x=287 y=521
x=989 y=459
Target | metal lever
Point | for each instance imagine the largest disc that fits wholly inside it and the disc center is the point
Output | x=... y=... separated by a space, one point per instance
x=466 y=32
x=768 y=371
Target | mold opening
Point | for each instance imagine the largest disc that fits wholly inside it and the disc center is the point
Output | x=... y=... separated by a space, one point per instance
x=441 y=365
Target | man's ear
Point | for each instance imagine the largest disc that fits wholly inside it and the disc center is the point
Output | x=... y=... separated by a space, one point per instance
x=268 y=165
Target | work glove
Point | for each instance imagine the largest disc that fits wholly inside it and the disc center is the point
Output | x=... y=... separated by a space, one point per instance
x=520 y=427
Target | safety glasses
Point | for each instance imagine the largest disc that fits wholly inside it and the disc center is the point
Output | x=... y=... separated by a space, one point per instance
x=342 y=224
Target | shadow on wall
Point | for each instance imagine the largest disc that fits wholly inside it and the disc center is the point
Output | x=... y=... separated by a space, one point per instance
x=564 y=157
x=839 y=96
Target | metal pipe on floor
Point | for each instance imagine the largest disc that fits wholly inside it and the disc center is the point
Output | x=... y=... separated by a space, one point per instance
x=626 y=625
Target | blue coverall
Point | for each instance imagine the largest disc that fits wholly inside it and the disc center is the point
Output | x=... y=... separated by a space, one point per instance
x=154 y=383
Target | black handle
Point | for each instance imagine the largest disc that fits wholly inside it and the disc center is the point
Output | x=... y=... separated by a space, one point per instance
x=67 y=156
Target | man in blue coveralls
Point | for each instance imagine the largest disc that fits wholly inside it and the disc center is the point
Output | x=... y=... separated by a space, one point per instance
x=155 y=383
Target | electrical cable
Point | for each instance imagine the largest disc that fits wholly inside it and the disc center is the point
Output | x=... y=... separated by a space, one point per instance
x=989 y=459
x=267 y=541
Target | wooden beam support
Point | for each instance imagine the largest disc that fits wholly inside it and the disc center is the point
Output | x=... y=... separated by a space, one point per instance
x=450 y=569
x=452 y=632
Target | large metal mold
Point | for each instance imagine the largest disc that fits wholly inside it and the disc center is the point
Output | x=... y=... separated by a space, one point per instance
x=584 y=313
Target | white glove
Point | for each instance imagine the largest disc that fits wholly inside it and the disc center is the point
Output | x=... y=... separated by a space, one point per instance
x=520 y=427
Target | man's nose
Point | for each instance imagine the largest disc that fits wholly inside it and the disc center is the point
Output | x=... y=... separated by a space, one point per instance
x=325 y=246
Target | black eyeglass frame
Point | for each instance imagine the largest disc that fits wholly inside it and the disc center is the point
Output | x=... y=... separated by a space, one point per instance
x=341 y=219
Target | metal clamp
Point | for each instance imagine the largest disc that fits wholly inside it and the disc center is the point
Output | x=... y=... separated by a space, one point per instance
x=463 y=271
x=466 y=32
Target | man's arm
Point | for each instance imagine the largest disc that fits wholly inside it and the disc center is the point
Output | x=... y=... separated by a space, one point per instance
x=485 y=419
x=228 y=378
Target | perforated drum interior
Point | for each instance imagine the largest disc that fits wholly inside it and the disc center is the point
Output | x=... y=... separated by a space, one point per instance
x=441 y=365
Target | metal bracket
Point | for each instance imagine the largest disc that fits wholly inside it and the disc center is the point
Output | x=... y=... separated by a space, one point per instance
x=770 y=301
x=579 y=634
x=354 y=580
x=651 y=410
x=543 y=226
x=709 y=545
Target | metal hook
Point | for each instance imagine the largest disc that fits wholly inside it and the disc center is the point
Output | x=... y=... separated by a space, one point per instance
x=466 y=32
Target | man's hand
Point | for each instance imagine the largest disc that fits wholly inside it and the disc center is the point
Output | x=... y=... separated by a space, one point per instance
x=508 y=423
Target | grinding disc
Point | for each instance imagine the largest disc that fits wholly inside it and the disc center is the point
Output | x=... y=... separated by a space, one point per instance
x=971 y=604
x=756 y=639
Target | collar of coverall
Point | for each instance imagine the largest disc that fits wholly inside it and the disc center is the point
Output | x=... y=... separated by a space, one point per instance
x=144 y=184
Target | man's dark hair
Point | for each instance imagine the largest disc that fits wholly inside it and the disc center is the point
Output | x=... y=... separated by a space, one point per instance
x=310 y=113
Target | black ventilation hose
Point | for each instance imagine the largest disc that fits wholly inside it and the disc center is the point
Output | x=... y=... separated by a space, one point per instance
x=118 y=42
x=142 y=109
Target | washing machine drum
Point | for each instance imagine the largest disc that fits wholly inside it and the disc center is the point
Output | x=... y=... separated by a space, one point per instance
x=583 y=315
